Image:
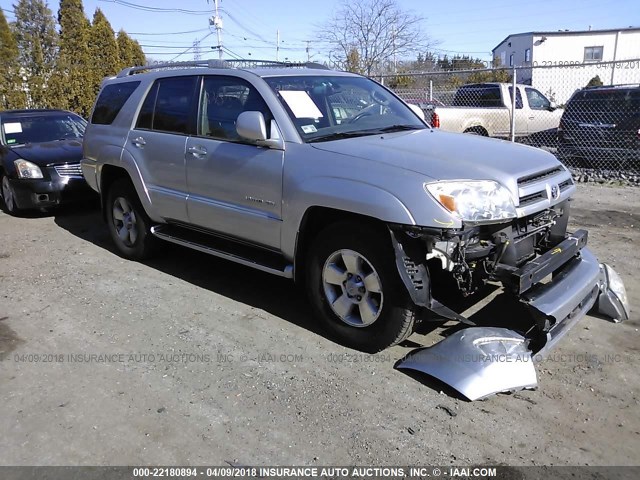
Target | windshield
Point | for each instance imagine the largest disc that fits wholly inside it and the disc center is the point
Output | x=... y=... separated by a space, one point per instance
x=39 y=128
x=332 y=107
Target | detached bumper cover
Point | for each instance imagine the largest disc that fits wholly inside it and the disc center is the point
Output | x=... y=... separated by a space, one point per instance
x=477 y=362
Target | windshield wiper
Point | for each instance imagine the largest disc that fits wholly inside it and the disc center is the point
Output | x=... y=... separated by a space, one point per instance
x=339 y=135
x=397 y=128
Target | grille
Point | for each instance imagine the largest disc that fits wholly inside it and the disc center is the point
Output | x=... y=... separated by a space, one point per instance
x=538 y=176
x=533 y=198
x=69 y=170
x=540 y=189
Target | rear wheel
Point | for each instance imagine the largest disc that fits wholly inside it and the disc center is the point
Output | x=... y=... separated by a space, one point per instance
x=8 y=196
x=128 y=223
x=354 y=286
x=476 y=131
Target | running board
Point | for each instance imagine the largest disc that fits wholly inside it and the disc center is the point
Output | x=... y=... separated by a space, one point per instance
x=254 y=257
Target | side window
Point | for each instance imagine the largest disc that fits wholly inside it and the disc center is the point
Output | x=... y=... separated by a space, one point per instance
x=536 y=100
x=223 y=99
x=518 y=97
x=478 y=96
x=111 y=100
x=169 y=105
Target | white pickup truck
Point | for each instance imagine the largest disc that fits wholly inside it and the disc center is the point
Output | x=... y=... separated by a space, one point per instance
x=485 y=109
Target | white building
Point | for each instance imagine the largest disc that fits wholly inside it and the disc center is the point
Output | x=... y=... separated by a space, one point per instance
x=575 y=58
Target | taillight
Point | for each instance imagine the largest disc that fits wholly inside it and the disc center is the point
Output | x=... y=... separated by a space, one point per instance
x=435 y=120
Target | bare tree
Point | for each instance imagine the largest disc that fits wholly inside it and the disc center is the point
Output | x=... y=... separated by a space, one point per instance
x=376 y=33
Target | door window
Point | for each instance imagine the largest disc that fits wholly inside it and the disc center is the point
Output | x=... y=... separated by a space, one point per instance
x=537 y=101
x=223 y=99
x=169 y=105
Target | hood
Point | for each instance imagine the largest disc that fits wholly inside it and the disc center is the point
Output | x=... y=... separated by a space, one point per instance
x=50 y=153
x=448 y=156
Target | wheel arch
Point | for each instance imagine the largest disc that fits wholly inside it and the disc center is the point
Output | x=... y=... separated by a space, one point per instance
x=318 y=218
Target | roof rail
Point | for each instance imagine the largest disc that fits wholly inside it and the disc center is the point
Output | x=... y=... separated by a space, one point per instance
x=157 y=66
x=621 y=85
x=250 y=63
x=232 y=63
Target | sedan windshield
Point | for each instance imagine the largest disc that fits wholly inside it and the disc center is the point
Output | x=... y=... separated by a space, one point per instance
x=40 y=128
x=332 y=107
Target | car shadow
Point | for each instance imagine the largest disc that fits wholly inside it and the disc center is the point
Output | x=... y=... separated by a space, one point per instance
x=277 y=296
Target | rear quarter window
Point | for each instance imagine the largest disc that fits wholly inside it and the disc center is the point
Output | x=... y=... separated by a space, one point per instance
x=111 y=100
x=480 y=96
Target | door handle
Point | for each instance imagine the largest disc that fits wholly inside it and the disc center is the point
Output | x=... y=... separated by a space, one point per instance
x=139 y=142
x=197 y=151
x=532 y=118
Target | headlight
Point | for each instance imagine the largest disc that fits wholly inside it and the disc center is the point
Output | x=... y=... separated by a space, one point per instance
x=27 y=169
x=474 y=201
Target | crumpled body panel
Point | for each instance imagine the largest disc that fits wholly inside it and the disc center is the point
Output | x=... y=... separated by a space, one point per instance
x=477 y=362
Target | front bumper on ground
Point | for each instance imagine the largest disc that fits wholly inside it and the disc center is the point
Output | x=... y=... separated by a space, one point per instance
x=481 y=361
x=43 y=193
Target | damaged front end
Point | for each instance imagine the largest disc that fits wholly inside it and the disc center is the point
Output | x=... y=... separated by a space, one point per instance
x=551 y=273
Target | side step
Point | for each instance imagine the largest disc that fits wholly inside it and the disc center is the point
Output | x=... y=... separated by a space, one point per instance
x=243 y=254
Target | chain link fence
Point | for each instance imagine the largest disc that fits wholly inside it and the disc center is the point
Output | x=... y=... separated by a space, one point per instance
x=587 y=114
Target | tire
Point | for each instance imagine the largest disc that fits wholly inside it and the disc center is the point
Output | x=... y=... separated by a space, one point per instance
x=358 y=260
x=128 y=223
x=8 y=196
x=476 y=131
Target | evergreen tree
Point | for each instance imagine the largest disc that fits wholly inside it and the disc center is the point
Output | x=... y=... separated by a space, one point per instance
x=124 y=50
x=103 y=50
x=138 y=56
x=35 y=29
x=72 y=83
x=11 y=91
x=130 y=51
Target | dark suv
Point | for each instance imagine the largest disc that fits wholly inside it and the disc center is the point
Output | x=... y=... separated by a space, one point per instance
x=601 y=127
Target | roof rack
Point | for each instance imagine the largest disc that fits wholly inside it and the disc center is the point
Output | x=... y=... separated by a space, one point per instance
x=617 y=85
x=232 y=63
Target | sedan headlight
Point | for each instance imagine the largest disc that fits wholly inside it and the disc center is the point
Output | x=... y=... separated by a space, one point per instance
x=27 y=169
x=474 y=201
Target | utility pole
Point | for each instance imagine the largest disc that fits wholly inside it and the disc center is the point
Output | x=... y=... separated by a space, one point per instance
x=278 y=45
x=216 y=21
x=308 y=54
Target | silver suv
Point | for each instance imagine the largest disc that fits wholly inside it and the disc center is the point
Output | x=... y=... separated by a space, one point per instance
x=330 y=179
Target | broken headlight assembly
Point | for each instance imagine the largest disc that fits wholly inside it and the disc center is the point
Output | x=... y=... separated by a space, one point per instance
x=474 y=201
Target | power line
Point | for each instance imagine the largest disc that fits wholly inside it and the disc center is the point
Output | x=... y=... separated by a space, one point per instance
x=180 y=54
x=156 y=9
x=169 y=33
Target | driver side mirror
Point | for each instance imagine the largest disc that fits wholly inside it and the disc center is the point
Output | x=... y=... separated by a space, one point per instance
x=251 y=126
x=552 y=106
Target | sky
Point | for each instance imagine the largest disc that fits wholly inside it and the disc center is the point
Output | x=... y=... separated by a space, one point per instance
x=250 y=27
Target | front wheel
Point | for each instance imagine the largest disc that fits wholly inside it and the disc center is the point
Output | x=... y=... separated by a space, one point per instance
x=128 y=223
x=355 y=289
x=8 y=196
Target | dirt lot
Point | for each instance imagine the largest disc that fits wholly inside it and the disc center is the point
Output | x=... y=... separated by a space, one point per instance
x=210 y=362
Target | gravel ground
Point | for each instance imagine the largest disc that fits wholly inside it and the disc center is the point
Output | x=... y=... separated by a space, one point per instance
x=189 y=360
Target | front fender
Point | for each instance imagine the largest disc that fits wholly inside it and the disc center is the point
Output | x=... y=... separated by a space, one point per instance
x=339 y=194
